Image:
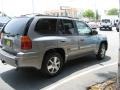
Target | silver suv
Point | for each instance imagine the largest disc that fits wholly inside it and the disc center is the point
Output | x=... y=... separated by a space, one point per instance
x=47 y=42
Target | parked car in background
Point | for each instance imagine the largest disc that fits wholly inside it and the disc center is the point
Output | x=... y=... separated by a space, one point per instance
x=93 y=25
x=47 y=42
x=116 y=22
x=105 y=24
x=3 y=21
x=118 y=27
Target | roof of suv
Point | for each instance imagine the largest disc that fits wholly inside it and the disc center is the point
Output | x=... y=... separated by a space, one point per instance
x=48 y=16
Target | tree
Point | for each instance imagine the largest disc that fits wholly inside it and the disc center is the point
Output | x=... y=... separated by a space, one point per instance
x=89 y=14
x=3 y=14
x=113 y=11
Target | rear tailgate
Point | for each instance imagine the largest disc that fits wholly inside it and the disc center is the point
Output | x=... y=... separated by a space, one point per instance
x=12 y=33
x=10 y=44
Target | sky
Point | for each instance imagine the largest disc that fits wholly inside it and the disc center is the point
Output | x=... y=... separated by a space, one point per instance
x=21 y=7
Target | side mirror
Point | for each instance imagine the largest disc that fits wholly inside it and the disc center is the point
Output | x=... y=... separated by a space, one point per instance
x=94 y=32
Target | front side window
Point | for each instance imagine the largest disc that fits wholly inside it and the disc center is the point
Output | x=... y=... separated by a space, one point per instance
x=83 y=28
x=46 y=26
x=68 y=27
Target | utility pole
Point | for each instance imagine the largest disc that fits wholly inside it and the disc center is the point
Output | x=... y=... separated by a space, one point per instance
x=2 y=8
x=96 y=11
x=118 y=74
x=33 y=11
x=65 y=9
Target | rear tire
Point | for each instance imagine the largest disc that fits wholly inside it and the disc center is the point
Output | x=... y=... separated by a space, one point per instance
x=101 y=52
x=110 y=28
x=52 y=64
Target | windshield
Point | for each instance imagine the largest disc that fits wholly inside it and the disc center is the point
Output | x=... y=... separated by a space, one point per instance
x=16 y=26
x=105 y=20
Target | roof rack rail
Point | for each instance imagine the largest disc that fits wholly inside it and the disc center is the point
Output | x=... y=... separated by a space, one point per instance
x=38 y=14
x=30 y=14
x=45 y=15
x=69 y=17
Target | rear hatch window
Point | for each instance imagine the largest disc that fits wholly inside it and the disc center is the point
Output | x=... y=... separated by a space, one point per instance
x=16 y=26
x=12 y=32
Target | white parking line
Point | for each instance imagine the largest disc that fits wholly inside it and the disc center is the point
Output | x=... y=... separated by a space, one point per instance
x=53 y=86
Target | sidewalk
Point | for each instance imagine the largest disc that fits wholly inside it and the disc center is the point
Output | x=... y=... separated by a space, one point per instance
x=82 y=82
x=107 y=85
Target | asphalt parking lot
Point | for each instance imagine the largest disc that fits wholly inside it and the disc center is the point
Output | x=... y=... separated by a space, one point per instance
x=77 y=74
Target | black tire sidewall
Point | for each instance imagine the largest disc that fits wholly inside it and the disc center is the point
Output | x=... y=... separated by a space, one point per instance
x=99 y=57
x=110 y=28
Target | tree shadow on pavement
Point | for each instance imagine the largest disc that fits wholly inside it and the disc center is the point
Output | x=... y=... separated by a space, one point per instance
x=31 y=79
x=108 y=75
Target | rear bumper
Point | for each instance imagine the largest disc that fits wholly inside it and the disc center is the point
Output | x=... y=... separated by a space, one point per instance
x=8 y=58
x=30 y=59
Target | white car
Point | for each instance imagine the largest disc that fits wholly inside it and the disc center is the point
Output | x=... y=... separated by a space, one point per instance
x=105 y=24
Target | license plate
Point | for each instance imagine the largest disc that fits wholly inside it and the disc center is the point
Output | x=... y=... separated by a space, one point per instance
x=8 y=42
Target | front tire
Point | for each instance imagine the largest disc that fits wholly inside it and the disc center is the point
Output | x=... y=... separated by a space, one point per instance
x=52 y=64
x=117 y=29
x=101 y=52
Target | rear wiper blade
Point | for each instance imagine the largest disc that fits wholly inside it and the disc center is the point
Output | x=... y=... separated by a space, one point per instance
x=13 y=35
x=6 y=33
x=17 y=34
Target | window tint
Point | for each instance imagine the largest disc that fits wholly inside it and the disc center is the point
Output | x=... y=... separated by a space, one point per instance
x=60 y=27
x=46 y=26
x=1 y=24
x=16 y=26
x=82 y=28
x=68 y=27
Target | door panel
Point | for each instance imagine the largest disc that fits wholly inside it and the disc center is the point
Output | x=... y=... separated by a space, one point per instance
x=70 y=43
x=87 y=42
x=70 y=38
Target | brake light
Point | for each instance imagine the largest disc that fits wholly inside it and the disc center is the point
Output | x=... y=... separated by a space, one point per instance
x=26 y=43
x=1 y=35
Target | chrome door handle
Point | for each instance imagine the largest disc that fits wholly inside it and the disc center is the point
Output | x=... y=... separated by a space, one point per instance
x=63 y=41
x=81 y=39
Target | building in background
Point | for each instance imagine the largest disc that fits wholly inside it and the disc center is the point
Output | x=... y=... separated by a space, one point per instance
x=64 y=11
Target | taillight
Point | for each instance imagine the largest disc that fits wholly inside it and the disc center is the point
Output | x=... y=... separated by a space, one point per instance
x=1 y=35
x=26 y=43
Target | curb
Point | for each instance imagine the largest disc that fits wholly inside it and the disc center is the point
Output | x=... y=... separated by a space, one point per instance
x=107 y=85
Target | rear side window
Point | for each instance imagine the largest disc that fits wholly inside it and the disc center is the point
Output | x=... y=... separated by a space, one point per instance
x=46 y=26
x=16 y=26
x=83 y=29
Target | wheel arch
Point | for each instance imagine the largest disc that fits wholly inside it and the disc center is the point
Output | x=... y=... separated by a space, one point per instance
x=61 y=51
x=105 y=42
